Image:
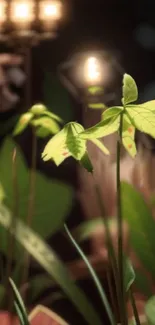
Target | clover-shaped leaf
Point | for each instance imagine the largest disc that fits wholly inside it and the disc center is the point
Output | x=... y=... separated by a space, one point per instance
x=130 y=90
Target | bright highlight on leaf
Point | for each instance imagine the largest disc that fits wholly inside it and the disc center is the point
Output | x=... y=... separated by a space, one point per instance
x=75 y=145
x=130 y=90
x=142 y=117
x=67 y=143
x=102 y=129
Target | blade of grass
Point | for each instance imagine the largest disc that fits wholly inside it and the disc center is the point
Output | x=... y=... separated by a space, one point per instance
x=48 y=259
x=95 y=278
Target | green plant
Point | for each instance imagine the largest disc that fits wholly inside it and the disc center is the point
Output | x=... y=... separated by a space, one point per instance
x=71 y=141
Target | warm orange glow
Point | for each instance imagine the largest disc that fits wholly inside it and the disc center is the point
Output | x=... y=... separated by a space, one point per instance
x=92 y=70
x=22 y=12
x=50 y=10
x=2 y=11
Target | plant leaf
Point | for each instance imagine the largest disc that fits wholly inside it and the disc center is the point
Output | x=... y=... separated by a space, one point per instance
x=86 y=163
x=47 y=202
x=150 y=310
x=75 y=145
x=150 y=105
x=22 y=123
x=56 y=149
x=128 y=136
x=112 y=112
x=130 y=91
x=45 y=256
x=53 y=116
x=19 y=304
x=47 y=124
x=101 y=146
x=38 y=109
x=142 y=117
x=103 y=128
x=94 y=277
x=141 y=226
x=129 y=274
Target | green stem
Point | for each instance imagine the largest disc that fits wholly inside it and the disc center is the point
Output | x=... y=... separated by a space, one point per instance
x=135 y=311
x=110 y=247
x=31 y=201
x=120 y=224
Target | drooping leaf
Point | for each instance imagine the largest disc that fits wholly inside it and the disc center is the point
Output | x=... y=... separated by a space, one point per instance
x=103 y=128
x=130 y=91
x=46 y=124
x=47 y=205
x=150 y=310
x=96 y=105
x=141 y=226
x=129 y=274
x=94 y=277
x=47 y=258
x=75 y=145
x=86 y=163
x=53 y=116
x=56 y=149
x=23 y=122
x=112 y=112
x=142 y=117
x=101 y=146
x=128 y=136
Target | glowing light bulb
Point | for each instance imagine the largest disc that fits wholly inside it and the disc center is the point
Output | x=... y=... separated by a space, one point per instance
x=2 y=11
x=92 y=70
x=50 y=10
x=22 y=12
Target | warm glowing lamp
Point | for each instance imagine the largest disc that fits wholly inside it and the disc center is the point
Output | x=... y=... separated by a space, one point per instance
x=3 y=15
x=92 y=71
x=50 y=12
x=22 y=12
